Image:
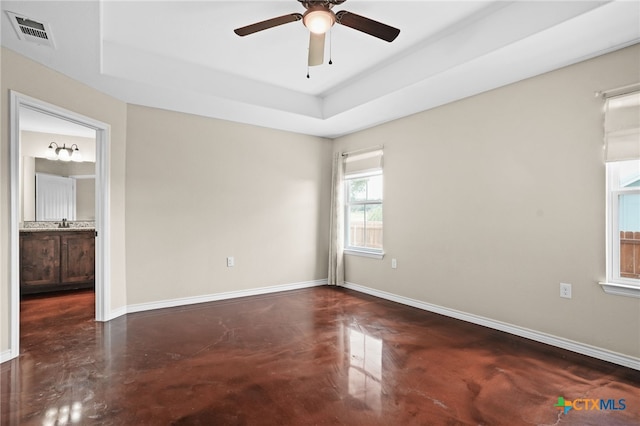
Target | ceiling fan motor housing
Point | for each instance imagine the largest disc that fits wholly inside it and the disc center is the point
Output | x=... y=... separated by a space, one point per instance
x=324 y=3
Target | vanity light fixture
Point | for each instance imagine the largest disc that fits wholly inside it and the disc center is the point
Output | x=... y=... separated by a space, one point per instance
x=55 y=152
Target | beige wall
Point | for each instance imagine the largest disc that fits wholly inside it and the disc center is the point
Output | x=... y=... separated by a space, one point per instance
x=29 y=78
x=199 y=190
x=85 y=199
x=492 y=201
x=66 y=169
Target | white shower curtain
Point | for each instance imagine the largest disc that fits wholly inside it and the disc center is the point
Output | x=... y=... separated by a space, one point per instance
x=336 y=223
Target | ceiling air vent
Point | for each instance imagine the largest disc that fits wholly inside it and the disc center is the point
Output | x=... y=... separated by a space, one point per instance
x=31 y=31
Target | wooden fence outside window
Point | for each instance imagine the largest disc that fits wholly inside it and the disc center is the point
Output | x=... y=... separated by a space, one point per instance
x=630 y=254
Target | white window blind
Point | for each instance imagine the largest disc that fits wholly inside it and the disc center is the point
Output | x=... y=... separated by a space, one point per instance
x=363 y=162
x=622 y=127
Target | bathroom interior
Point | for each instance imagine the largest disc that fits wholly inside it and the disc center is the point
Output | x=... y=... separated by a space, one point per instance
x=57 y=205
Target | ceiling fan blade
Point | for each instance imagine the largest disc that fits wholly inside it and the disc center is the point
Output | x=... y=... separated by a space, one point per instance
x=269 y=23
x=316 y=49
x=366 y=25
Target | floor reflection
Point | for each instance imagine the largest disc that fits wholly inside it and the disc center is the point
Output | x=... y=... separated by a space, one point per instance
x=63 y=415
x=365 y=368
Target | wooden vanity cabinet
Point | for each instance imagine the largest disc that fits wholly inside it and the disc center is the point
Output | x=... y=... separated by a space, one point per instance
x=39 y=260
x=56 y=260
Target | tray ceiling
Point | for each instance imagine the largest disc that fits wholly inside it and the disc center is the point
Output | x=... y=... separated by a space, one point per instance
x=184 y=56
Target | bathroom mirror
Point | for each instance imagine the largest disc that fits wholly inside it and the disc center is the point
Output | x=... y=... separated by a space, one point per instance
x=64 y=190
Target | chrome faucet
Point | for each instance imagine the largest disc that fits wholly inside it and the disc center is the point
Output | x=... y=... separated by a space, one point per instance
x=64 y=223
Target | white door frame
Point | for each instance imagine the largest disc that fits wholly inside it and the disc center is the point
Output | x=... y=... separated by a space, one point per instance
x=103 y=259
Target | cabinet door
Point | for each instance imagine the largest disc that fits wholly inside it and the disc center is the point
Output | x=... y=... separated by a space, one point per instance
x=39 y=260
x=78 y=257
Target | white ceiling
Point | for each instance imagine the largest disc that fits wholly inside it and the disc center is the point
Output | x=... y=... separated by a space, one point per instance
x=35 y=121
x=184 y=56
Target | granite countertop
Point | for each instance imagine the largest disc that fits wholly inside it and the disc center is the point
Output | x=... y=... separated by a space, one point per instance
x=56 y=229
x=54 y=226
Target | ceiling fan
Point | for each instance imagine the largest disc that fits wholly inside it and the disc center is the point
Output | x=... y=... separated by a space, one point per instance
x=319 y=18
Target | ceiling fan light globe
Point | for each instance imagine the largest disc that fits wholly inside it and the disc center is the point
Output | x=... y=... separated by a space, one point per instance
x=319 y=21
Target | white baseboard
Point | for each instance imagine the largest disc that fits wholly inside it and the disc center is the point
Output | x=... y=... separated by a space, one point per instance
x=115 y=313
x=171 y=303
x=6 y=355
x=581 y=348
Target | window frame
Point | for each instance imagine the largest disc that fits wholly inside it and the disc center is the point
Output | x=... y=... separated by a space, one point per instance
x=358 y=250
x=615 y=283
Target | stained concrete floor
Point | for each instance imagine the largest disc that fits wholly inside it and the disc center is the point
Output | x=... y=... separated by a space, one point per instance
x=318 y=356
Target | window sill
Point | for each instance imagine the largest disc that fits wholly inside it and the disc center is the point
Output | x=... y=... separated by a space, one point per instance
x=621 y=289
x=361 y=253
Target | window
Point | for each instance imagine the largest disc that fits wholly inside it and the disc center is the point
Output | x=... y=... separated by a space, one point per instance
x=363 y=204
x=622 y=136
x=624 y=221
x=364 y=212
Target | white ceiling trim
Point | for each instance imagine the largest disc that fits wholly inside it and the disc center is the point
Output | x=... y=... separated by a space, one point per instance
x=462 y=43
x=479 y=46
x=135 y=65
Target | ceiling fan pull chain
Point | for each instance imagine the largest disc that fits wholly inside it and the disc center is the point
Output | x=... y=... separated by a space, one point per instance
x=330 y=45
x=308 y=71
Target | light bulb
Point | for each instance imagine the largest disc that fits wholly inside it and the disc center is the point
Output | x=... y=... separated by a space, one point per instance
x=319 y=21
x=51 y=153
x=76 y=156
x=63 y=155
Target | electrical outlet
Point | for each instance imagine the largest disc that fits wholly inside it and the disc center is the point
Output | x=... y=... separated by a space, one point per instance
x=565 y=290
x=394 y=263
x=230 y=262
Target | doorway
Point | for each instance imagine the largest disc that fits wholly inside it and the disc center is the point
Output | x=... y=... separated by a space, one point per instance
x=20 y=102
